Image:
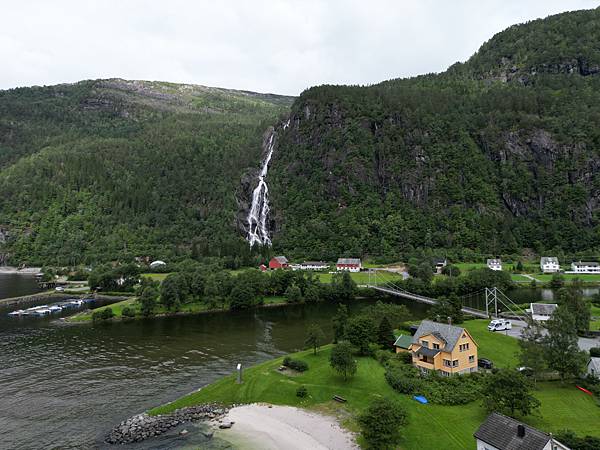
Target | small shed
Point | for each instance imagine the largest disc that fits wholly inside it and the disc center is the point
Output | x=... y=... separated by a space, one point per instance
x=402 y=343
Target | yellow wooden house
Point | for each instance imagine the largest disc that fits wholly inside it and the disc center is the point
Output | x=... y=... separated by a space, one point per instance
x=446 y=349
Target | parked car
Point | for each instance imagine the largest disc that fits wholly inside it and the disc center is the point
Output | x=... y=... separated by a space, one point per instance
x=527 y=371
x=500 y=325
x=59 y=288
x=485 y=363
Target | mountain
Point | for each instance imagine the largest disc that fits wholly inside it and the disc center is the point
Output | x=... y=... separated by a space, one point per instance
x=112 y=169
x=495 y=155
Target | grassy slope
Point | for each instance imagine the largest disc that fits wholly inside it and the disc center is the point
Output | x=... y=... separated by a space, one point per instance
x=430 y=427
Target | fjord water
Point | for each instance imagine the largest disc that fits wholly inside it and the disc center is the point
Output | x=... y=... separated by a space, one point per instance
x=64 y=385
x=15 y=285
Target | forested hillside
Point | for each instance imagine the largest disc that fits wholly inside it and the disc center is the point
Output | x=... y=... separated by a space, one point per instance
x=112 y=169
x=496 y=154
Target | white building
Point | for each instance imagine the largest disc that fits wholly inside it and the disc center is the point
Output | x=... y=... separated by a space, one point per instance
x=157 y=264
x=494 y=264
x=314 y=265
x=593 y=367
x=500 y=432
x=542 y=311
x=549 y=264
x=349 y=264
x=585 y=267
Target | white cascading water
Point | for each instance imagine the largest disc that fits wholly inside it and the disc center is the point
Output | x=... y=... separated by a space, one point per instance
x=258 y=230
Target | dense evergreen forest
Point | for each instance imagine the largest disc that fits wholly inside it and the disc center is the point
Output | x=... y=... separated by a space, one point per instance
x=111 y=169
x=493 y=156
x=496 y=154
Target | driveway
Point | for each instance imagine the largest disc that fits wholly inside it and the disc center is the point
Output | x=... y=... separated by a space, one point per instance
x=519 y=325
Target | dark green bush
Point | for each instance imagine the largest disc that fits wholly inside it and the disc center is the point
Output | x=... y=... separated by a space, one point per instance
x=128 y=312
x=380 y=423
x=295 y=364
x=102 y=315
x=302 y=392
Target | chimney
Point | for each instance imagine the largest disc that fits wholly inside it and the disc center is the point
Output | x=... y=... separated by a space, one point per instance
x=521 y=431
x=449 y=320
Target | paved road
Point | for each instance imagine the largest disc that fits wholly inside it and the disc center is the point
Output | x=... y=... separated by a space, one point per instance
x=519 y=325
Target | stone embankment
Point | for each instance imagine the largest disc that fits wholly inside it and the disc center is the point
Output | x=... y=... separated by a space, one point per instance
x=143 y=426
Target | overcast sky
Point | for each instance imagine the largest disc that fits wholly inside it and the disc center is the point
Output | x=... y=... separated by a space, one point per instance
x=281 y=46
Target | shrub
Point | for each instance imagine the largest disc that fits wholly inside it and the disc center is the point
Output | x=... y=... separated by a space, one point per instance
x=302 y=392
x=595 y=351
x=295 y=364
x=380 y=423
x=382 y=356
x=574 y=442
x=404 y=357
x=128 y=312
x=102 y=315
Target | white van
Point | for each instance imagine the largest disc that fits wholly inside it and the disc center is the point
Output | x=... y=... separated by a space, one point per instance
x=500 y=325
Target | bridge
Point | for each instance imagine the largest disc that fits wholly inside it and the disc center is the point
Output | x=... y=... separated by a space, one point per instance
x=493 y=296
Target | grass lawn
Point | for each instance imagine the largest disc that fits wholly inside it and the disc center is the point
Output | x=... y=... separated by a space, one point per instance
x=361 y=278
x=592 y=278
x=430 y=426
x=156 y=276
x=595 y=324
x=496 y=346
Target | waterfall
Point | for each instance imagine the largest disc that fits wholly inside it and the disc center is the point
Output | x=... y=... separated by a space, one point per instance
x=258 y=216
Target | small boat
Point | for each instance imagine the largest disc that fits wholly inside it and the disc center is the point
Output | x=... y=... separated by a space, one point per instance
x=55 y=308
x=42 y=311
x=18 y=312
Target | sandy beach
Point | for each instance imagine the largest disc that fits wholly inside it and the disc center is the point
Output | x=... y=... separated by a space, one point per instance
x=260 y=426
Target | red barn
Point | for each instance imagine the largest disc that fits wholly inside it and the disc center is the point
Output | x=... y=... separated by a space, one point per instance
x=279 y=262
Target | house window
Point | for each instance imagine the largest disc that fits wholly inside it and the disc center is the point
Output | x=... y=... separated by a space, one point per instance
x=425 y=344
x=455 y=363
x=444 y=373
x=436 y=346
x=471 y=358
x=447 y=363
x=463 y=347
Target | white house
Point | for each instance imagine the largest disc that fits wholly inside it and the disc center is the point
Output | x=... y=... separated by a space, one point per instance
x=494 y=264
x=593 y=367
x=314 y=265
x=549 y=264
x=500 y=432
x=349 y=264
x=542 y=311
x=585 y=267
x=439 y=264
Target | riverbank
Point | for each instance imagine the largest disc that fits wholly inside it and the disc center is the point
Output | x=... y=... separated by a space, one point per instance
x=562 y=405
x=16 y=271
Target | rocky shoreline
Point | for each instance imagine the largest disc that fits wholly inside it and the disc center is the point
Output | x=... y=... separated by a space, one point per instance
x=143 y=426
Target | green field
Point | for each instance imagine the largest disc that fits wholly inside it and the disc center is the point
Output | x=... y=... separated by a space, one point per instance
x=155 y=276
x=430 y=427
x=362 y=278
x=595 y=324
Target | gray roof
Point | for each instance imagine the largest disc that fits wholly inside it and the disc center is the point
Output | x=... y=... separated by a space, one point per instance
x=449 y=333
x=494 y=261
x=348 y=261
x=548 y=259
x=501 y=432
x=281 y=259
x=589 y=263
x=543 y=309
x=594 y=363
x=428 y=351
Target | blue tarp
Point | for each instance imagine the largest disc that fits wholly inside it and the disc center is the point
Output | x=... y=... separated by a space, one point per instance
x=420 y=399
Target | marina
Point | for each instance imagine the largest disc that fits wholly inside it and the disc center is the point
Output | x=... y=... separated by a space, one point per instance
x=44 y=310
